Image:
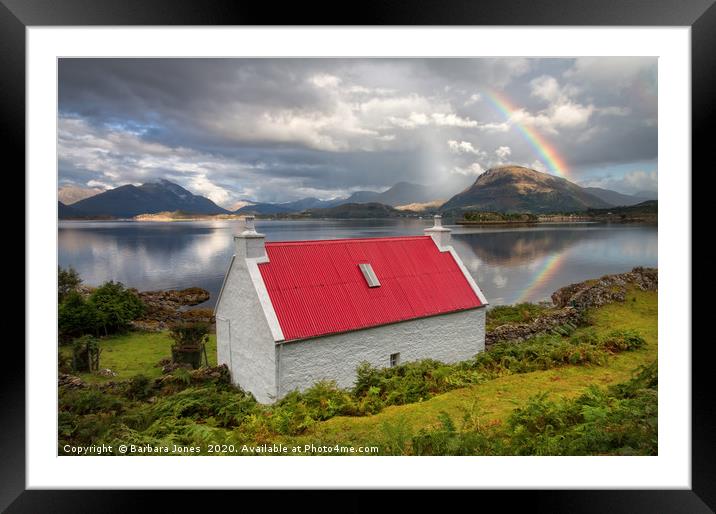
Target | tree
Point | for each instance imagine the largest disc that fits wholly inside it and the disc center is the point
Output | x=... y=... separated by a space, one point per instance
x=116 y=306
x=76 y=316
x=85 y=354
x=68 y=280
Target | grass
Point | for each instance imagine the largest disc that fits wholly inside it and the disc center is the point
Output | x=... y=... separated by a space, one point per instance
x=496 y=399
x=137 y=353
x=519 y=313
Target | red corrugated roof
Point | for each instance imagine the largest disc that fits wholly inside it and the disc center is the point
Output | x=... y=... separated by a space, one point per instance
x=317 y=288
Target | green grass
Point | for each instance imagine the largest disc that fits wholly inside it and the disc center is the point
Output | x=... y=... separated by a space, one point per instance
x=137 y=353
x=519 y=313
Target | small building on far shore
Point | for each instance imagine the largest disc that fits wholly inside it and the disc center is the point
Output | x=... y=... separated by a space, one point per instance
x=292 y=313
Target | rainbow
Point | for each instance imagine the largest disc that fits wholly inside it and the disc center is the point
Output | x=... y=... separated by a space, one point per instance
x=554 y=162
x=547 y=271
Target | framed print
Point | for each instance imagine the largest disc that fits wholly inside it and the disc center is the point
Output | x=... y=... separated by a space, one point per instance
x=422 y=251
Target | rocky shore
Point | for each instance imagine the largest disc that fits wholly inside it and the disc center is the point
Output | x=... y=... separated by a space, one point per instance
x=572 y=301
x=171 y=306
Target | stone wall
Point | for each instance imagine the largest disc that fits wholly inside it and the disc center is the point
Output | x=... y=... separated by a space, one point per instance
x=607 y=289
x=573 y=300
x=522 y=331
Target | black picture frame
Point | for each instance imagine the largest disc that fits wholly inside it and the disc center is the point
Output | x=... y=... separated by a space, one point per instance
x=700 y=15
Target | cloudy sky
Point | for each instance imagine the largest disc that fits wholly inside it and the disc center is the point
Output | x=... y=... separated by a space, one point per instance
x=281 y=129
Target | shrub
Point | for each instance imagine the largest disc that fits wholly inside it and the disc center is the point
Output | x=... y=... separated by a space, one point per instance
x=64 y=362
x=395 y=437
x=622 y=340
x=519 y=313
x=139 y=388
x=290 y=415
x=116 y=306
x=223 y=408
x=76 y=316
x=88 y=401
x=325 y=400
x=68 y=280
x=370 y=402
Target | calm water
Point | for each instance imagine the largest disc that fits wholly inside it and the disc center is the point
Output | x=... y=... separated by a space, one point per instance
x=509 y=264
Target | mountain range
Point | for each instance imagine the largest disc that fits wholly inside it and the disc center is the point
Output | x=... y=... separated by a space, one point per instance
x=501 y=189
x=614 y=198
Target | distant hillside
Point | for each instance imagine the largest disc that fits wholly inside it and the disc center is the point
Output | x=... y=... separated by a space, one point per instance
x=263 y=209
x=519 y=189
x=421 y=207
x=401 y=193
x=153 y=197
x=184 y=216
x=647 y=195
x=356 y=210
x=66 y=211
x=309 y=203
x=362 y=197
x=239 y=204
x=647 y=209
x=72 y=194
x=615 y=198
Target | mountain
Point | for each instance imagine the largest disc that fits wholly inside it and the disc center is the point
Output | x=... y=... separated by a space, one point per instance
x=356 y=210
x=404 y=193
x=519 y=189
x=647 y=195
x=65 y=211
x=401 y=193
x=129 y=200
x=263 y=208
x=72 y=194
x=613 y=197
x=309 y=203
x=362 y=197
x=239 y=204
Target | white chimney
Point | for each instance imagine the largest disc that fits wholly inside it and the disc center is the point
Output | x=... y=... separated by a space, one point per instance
x=440 y=234
x=249 y=243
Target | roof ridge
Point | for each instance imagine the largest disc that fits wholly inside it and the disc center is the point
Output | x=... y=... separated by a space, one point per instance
x=342 y=240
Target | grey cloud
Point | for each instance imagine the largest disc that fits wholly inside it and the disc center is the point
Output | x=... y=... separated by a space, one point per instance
x=273 y=129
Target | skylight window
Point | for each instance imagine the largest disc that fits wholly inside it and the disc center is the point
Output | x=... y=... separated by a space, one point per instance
x=369 y=275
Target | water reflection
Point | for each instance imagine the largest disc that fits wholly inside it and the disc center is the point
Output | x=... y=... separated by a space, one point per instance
x=510 y=264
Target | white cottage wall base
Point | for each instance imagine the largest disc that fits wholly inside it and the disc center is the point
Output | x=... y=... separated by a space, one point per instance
x=447 y=338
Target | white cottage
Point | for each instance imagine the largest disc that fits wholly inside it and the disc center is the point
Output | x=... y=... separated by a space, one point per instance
x=292 y=313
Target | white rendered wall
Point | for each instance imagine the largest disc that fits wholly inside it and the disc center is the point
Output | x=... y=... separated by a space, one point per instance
x=448 y=338
x=244 y=340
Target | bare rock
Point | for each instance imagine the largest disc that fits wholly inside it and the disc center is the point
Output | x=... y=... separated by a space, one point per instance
x=70 y=381
x=606 y=289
